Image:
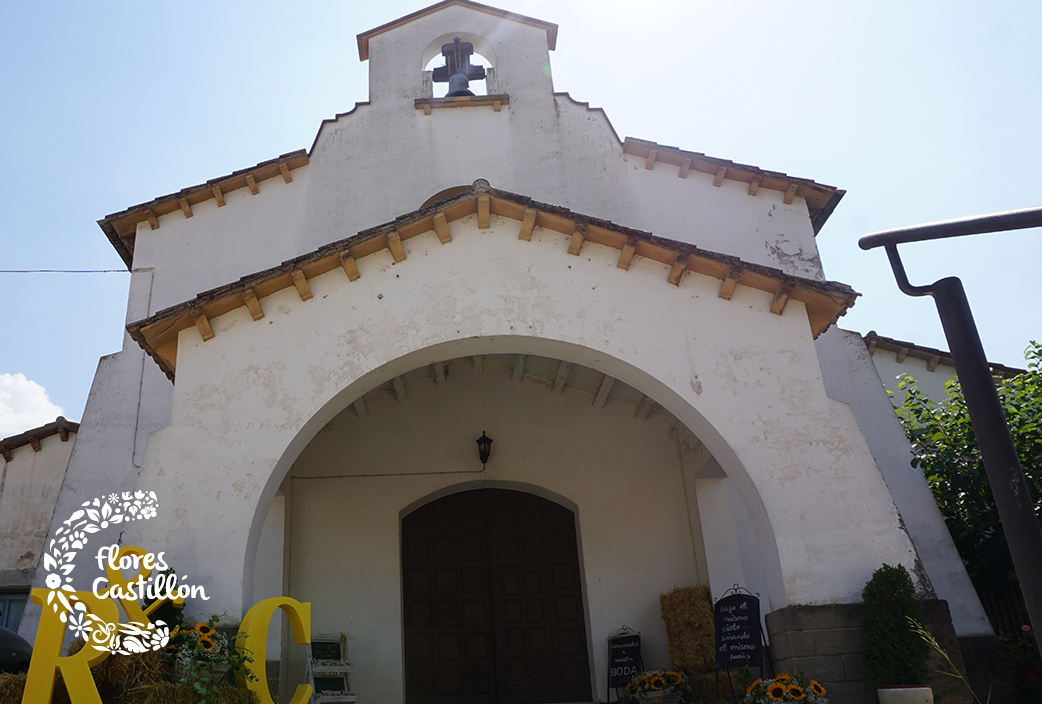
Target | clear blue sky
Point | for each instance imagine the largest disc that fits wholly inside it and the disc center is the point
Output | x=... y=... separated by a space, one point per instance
x=920 y=110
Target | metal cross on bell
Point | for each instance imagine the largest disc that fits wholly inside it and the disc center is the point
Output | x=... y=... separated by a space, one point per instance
x=457 y=70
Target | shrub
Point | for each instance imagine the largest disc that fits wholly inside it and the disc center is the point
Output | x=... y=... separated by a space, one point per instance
x=893 y=653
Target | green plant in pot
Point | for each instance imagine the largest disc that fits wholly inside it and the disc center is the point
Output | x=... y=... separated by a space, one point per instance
x=894 y=654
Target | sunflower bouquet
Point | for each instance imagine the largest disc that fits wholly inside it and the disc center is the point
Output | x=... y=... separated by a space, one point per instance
x=203 y=654
x=785 y=688
x=653 y=684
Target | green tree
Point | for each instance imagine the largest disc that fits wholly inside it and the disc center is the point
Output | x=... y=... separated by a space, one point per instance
x=946 y=451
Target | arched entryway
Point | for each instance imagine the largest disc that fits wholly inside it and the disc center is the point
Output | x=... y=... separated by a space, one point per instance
x=493 y=606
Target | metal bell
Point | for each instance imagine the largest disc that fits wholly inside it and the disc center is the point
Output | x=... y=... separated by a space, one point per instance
x=458 y=85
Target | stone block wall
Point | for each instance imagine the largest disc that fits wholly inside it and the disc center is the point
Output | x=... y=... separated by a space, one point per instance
x=825 y=642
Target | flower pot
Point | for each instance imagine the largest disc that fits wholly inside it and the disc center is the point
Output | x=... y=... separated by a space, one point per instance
x=657 y=697
x=909 y=694
x=192 y=671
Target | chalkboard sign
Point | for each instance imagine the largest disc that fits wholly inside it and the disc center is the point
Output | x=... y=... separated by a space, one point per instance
x=326 y=650
x=737 y=621
x=623 y=659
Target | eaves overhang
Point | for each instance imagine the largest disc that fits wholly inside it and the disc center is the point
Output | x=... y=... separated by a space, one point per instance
x=549 y=27
x=825 y=301
x=821 y=199
x=60 y=427
x=121 y=227
x=931 y=355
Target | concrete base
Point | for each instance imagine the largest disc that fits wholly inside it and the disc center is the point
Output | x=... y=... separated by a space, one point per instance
x=825 y=641
x=905 y=695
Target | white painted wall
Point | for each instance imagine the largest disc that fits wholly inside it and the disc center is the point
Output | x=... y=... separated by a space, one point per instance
x=746 y=382
x=29 y=486
x=850 y=376
x=385 y=158
x=931 y=383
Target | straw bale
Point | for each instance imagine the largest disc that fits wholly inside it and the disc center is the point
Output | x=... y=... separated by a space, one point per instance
x=12 y=687
x=688 y=615
x=169 y=693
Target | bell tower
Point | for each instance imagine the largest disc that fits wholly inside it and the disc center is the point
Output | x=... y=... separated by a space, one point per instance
x=516 y=47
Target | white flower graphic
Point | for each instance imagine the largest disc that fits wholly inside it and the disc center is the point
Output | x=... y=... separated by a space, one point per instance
x=71 y=537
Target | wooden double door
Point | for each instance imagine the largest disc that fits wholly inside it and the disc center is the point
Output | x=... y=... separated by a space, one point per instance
x=493 y=601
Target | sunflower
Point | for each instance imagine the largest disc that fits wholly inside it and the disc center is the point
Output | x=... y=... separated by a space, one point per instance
x=777 y=691
x=203 y=629
x=753 y=685
x=207 y=645
x=797 y=692
x=631 y=688
x=783 y=677
x=817 y=688
x=658 y=682
x=673 y=678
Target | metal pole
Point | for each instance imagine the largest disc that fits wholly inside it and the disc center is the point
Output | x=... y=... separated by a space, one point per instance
x=1008 y=484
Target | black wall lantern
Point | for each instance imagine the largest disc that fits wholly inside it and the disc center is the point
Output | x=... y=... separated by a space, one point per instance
x=484 y=447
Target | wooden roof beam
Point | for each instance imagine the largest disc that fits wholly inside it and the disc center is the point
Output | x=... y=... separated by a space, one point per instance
x=562 y=377
x=902 y=354
x=252 y=304
x=216 y=189
x=730 y=282
x=301 y=283
x=284 y=170
x=5 y=452
x=394 y=245
x=441 y=228
x=360 y=408
x=484 y=219
x=644 y=408
x=677 y=270
x=578 y=237
x=252 y=183
x=202 y=324
x=185 y=207
x=721 y=173
x=152 y=222
x=650 y=163
x=527 y=225
x=931 y=364
x=790 y=193
x=754 y=185
x=781 y=297
x=350 y=266
x=602 y=393
x=438 y=368
x=685 y=166
x=398 y=384
x=626 y=255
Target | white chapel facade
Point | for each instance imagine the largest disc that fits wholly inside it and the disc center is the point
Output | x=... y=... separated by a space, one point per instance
x=647 y=334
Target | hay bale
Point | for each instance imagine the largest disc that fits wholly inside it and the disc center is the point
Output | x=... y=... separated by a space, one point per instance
x=688 y=614
x=169 y=693
x=12 y=687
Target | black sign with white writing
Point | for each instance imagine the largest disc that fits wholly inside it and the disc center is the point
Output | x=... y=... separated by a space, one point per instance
x=737 y=621
x=623 y=659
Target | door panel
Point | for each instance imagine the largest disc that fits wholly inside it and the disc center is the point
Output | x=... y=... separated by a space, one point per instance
x=493 y=605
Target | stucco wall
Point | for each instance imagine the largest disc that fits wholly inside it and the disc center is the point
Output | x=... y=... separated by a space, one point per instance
x=851 y=377
x=745 y=381
x=931 y=383
x=385 y=158
x=29 y=486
